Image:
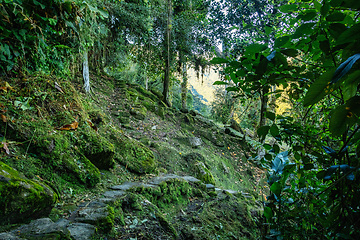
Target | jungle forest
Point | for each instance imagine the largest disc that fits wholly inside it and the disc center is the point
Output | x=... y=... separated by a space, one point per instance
x=102 y=135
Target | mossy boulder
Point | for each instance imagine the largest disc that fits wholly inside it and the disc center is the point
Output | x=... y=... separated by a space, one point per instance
x=97 y=149
x=203 y=173
x=139 y=112
x=132 y=154
x=67 y=159
x=22 y=199
x=213 y=135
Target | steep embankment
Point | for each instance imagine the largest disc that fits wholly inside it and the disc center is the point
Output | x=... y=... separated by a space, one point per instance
x=63 y=149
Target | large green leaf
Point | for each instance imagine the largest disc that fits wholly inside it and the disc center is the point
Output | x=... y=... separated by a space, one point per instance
x=274 y=130
x=276 y=188
x=281 y=41
x=318 y=89
x=345 y=116
x=219 y=61
x=263 y=131
x=290 y=52
x=220 y=83
x=349 y=35
x=255 y=48
x=345 y=67
x=304 y=29
x=336 y=17
x=289 y=8
x=268 y=213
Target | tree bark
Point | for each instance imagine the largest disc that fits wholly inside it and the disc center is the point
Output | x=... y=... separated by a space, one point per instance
x=167 y=62
x=263 y=106
x=184 y=87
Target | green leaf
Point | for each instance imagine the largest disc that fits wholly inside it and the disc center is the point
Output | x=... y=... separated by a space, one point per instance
x=262 y=67
x=289 y=8
x=281 y=41
x=267 y=146
x=304 y=29
x=268 y=157
x=220 y=83
x=325 y=8
x=268 y=213
x=344 y=116
x=263 y=131
x=336 y=17
x=270 y=115
x=276 y=148
x=336 y=29
x=344 y=68
x=318 y=89
x=276 y=188
x=255 y=48
x=39 y=4
x=274 y=130
x=219 y=61
x=349 y=35
x=290 y=52
x=317 y=5
x=232 y=89
x=308 y=15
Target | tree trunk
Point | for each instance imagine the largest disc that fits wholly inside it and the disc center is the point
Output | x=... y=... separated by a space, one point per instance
x=263 y=106
x=184 y=88
x=167 y=62
x=86 y=71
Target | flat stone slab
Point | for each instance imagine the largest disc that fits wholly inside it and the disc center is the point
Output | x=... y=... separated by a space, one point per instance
x=128 y=185
x=113 y=194
x=9 y=236
x=81 y=231
x=160 y=179
x=190 y=179
x=231 y=191
x=92 y=204
x=91 y=215
x=209 y=186
x=41 y=228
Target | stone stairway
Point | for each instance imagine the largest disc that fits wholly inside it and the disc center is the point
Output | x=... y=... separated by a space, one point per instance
x=83 y=222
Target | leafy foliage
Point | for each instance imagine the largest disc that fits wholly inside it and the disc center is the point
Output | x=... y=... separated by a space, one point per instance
x=313 y=59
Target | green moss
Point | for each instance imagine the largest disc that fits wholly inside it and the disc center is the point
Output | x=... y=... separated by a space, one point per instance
x=21 y=198
x=203 y=173
x=96 y=148
x=106 y=224
x=166 y=224
x=66 y=158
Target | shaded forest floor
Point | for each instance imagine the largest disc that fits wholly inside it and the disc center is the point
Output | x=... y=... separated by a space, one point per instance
x=183 y=143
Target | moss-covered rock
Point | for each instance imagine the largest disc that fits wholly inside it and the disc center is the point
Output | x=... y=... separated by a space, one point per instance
x=97 y=149
x=60 y=153
x=139 y=112
x=22 y=199
x=203 y=173
x=132 y=154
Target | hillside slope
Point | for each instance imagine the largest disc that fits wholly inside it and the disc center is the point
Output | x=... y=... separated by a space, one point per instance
x=71 y=147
